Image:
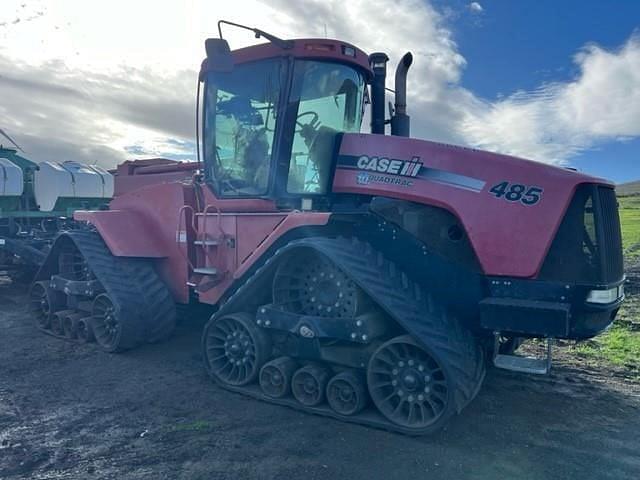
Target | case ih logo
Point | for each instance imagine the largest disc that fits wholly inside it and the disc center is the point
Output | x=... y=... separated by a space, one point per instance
x=390 y=165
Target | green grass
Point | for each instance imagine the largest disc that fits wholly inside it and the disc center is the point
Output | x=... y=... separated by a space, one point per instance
x=630 y=222
x=621 y=344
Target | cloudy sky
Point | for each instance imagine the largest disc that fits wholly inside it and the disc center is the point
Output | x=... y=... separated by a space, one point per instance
x=557 y=82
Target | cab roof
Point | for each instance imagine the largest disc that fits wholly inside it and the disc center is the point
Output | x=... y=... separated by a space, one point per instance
x=307 y=48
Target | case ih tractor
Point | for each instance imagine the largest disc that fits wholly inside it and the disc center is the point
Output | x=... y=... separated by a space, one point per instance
x=361 y=276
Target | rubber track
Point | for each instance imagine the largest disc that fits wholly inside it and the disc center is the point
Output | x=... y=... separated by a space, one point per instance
x=142 y=301
x=404 y=300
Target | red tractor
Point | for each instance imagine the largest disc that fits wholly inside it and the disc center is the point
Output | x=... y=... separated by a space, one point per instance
x=365 y=277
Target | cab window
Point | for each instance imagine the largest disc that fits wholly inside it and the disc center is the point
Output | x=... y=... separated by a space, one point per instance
x=327 y=99
x=239 y=127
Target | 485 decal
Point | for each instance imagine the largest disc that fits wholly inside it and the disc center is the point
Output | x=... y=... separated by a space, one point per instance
x=516 y=192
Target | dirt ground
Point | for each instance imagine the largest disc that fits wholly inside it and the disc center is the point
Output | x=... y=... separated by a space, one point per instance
x=71 y=411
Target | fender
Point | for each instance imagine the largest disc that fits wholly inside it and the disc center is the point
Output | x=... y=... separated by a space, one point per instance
x=127 y=233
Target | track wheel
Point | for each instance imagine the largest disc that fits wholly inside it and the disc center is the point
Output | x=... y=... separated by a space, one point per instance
x=347 y=393
x=43 y=301
x=309 y=383
x=408 y=386
x=107 y=327
x=235 y=349
x=275 y=377
x=84 y=331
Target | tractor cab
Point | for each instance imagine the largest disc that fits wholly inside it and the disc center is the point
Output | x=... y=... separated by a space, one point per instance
x=272 y=114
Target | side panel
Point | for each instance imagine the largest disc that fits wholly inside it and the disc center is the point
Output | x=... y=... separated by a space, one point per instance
x=255 y=234
x=510 y=236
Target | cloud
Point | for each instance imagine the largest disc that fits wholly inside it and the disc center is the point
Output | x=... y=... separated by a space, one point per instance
x=560 y=120
x=475 y=7
x=71 y=89
x=59 y=114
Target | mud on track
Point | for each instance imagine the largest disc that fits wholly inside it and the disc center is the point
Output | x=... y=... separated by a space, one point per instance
x=71 y=411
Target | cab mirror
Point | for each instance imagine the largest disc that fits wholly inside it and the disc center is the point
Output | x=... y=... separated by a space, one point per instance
x=219 y=58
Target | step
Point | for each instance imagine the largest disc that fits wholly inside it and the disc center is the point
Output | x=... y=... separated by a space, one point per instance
x=516 y=363
x=522 y=364
x=210 y=271
x=207 y=243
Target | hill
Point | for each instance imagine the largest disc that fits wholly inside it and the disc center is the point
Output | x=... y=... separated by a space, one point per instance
x=630 y=188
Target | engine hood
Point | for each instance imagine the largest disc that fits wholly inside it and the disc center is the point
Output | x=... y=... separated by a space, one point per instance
x=509 y=207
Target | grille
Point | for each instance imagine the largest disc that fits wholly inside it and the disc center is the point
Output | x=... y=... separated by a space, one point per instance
x=588 y=245
x=611 y=237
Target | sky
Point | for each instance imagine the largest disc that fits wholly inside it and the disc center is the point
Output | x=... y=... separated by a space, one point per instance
x=557 y=82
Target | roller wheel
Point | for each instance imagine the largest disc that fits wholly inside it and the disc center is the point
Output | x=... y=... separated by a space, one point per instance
x=408 y=386
x=106 y=324
x=347 y=393
x=70 y=325
x=309 y=384
x=43 y=301
x=57 y=323
x=275 y=377
x=309 y=284
x=84 y=331
x=235 y=349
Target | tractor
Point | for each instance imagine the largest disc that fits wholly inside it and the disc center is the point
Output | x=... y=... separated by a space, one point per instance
x=366 y=277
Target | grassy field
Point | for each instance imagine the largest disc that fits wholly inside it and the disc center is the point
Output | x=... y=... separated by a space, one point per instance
x=630 y=221
x=620 y=345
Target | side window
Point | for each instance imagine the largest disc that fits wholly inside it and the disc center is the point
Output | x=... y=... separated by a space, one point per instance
x=327 y=99
x=243 y=124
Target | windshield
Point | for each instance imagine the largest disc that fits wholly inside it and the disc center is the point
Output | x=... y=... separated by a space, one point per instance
x=327 y=99
x=239 y=126
x=240 y=113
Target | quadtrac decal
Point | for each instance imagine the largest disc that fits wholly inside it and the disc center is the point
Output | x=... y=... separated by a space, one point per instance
x=393 y=171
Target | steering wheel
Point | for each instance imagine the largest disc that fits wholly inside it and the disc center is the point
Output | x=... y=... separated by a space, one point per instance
x=312 y=123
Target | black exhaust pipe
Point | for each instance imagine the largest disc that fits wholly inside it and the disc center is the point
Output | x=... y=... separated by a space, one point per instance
x=401 y=122
x=378 y=62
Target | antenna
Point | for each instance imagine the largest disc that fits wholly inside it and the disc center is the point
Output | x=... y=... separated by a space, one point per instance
x=2 y=132
x=325 y=30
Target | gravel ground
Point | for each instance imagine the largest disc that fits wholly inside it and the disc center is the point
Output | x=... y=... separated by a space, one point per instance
x=69 y=411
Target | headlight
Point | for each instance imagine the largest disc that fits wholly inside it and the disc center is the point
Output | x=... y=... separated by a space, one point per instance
x=605 y=296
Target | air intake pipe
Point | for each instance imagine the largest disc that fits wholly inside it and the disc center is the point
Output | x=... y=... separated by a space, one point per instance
x=378 y=62
x=400 y=121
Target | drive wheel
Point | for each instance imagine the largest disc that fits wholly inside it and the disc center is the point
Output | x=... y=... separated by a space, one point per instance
x=275 y=377
x=107 y=326
x=43 y=301
x=73 y=266
x=308 y=385
x=347 y=393
x=309 y=284
x=408 y=386
x=235 y=349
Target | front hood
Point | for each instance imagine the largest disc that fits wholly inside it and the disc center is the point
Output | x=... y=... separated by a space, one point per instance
x=510 y=207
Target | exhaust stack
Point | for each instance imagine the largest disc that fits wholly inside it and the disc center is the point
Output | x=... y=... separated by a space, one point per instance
x=400 y=121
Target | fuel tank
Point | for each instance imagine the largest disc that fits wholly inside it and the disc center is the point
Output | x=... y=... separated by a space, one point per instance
x=58 y=183
x=11 y=179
